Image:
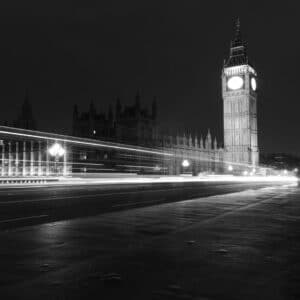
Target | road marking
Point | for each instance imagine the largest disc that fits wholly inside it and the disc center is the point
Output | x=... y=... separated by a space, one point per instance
x=23 y=218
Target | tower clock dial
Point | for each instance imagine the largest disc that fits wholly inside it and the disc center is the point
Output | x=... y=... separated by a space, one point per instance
x=235 y=82
x=253 y=84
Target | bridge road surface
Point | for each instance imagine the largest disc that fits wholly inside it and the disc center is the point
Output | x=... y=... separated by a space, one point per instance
x=186 y=241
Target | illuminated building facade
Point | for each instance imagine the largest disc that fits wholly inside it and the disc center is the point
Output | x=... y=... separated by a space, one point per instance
x=240 y=105
x=24 y=155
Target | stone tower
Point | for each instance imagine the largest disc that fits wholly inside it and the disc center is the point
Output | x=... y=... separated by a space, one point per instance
x=239 y=103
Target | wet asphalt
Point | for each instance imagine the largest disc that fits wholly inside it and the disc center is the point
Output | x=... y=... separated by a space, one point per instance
x=164 y=241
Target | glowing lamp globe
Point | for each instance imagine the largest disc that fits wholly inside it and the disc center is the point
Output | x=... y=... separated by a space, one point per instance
x=185 y=163
x=235 y=82
x=56 y=150
x=230 y=168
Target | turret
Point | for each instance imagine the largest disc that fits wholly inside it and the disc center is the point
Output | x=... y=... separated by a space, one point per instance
x=208 y=141
x=202 y=146
x=184 y=140
x=196 y=142
x=215 y=144
x=190 y=141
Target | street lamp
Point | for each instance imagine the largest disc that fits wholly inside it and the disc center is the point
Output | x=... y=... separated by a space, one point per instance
x=230 y=168
x=57 y=151
x=185 y=163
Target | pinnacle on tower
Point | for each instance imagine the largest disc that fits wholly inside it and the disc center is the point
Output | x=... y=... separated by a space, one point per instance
x=196 y=142
x=237 y=30
x=201 y=142
x=208 y=140
x=215 y=144
x=238 y=50
x=190 y=141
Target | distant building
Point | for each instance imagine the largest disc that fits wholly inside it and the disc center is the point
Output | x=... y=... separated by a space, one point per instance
x=25 y=119
x=131 y=124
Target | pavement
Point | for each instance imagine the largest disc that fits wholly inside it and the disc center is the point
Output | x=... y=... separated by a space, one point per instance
x=192 y=241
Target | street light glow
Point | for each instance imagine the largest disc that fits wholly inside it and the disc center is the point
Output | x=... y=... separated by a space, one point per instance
x=185 y=163
x=57 y=150
x=230 y=168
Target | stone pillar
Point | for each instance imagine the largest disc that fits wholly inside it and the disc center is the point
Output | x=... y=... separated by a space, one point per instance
x=31 y=159
x=65 y=170
x=3 y=160
x=47 y=159
x=40 y=171
x=17 y=159
x=9 y=159
x=24 y=159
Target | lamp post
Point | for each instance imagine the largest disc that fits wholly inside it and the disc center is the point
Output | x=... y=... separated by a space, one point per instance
x=56 y=151
x=185 y=163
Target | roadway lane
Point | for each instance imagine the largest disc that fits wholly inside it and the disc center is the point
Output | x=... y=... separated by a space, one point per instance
x=30 y=205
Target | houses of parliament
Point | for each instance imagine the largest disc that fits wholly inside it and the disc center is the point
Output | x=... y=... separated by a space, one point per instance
x=137 y=126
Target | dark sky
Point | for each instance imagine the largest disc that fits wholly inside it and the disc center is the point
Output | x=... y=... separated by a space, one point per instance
x=67 y=52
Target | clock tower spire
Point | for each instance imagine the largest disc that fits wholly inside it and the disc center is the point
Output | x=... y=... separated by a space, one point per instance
x=240 y=102
x=238 y=49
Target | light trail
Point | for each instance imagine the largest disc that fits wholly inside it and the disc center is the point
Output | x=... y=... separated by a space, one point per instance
x=179 y=179
x=68 y=139
x=167 y=153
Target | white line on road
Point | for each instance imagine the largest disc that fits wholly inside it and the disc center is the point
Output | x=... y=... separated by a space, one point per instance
x=23 y=218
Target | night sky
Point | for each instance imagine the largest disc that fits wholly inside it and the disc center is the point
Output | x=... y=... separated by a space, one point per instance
x=67 y=52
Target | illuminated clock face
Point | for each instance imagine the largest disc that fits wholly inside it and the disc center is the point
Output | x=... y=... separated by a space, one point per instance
x=235 y=82
x=253 y=84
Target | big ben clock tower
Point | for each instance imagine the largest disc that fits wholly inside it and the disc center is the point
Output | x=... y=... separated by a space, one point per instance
x=239 y=100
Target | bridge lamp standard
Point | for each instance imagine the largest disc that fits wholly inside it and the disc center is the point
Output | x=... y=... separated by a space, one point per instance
x=185 y=163
x=56 y=151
